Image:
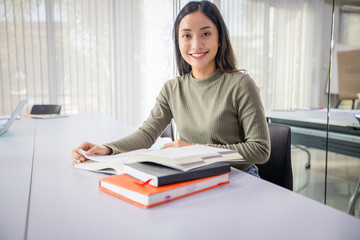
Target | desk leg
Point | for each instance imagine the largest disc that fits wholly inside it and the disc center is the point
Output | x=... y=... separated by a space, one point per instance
x=354 y=199
x=307 y=165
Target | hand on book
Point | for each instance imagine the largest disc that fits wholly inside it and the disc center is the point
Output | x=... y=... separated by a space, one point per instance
x=91 y=149
x=176 y=143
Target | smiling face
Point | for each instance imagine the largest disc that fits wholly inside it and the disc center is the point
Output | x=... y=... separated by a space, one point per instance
x=198 y=43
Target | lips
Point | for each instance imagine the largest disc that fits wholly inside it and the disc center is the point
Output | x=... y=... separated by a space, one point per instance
x=198 y=55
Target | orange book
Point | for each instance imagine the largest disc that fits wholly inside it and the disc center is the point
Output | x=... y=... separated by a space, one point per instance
x=145 y=195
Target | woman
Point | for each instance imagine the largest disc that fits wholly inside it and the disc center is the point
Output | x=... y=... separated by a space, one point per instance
x=212 y=102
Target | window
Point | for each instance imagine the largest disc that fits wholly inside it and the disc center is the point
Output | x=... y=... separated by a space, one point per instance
x=277 y=43
x=112 y=57
x=108 y=57
x=349 y=25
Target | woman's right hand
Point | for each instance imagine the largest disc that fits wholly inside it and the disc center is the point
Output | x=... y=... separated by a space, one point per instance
x=91 y=149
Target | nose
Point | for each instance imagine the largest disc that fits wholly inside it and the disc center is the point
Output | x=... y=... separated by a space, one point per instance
x=196 y=43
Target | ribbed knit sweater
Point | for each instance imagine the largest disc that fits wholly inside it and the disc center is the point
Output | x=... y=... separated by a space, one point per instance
x=223 y=110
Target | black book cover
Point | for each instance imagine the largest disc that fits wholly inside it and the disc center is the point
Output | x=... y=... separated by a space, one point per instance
x=162 y=175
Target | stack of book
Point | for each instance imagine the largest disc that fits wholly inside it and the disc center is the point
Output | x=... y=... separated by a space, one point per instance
x=151 y=177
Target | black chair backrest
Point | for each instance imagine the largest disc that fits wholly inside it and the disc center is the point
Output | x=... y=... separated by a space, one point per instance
x=168 y=132
x=278 y=168
x=45 y=109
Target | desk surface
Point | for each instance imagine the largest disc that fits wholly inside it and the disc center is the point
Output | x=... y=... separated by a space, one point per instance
x=309 y=128
x=16 y=153
x=65 y=203
x=338 y=117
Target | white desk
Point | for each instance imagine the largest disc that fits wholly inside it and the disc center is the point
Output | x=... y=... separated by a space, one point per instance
x=66 y=203
x=309 y=128
x=16 y=153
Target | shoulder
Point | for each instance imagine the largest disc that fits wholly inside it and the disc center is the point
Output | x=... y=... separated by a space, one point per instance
x=171 y=86
x=173 y=83
x=240 y=80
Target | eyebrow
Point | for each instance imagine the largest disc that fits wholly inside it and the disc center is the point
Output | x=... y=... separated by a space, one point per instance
x=188 y=29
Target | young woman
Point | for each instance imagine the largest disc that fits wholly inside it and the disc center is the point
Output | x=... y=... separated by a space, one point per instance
x=212 y=102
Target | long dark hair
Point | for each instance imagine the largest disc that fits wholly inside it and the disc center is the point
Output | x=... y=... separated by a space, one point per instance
x=225 y=58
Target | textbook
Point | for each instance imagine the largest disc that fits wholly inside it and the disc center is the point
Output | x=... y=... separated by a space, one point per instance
x=145 y=195
x=187 y=158
x=158 y=175
x=110 y=164
x=184 y=158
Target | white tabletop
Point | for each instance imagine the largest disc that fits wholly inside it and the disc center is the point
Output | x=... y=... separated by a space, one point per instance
x=66 y=203
x=16 y=153
x=337 y=117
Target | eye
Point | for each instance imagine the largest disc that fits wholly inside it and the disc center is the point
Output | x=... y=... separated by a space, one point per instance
x=186 y=35
x=206 y=34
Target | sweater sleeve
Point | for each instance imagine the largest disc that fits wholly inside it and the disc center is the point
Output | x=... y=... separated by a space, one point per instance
x=146 y=135
x=251 y=118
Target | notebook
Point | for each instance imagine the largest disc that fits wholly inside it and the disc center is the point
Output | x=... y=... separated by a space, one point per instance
x=13 y=116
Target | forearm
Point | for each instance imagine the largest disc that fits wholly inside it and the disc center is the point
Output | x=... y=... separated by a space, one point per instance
x=137 y=140
x=254 y=152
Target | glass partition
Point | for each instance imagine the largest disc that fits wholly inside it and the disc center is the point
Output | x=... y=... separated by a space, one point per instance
x=285 y=47
x=292 y=49
x=344 y=129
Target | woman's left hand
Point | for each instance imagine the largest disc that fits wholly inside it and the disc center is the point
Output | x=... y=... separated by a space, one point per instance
x=176 y=143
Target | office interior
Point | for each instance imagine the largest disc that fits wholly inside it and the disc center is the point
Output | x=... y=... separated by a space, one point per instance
x=112 y=57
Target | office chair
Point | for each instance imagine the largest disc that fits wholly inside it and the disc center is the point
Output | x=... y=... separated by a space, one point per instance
x=168 y=132
x=45 y=109
x=278 y=168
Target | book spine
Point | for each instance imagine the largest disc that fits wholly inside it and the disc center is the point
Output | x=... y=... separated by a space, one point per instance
x=158 y=203
x=188 y=194
x=192 y=175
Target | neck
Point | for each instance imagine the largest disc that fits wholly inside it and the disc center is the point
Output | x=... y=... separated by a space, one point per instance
x=200 y=74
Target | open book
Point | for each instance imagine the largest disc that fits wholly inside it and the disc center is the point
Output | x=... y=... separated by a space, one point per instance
x=184 y=158
x=187 y=158
x=111 y=164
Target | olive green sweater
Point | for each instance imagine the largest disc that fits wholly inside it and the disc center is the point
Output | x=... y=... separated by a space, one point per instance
x=223 y=110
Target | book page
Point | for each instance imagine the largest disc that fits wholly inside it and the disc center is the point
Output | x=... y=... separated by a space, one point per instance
x=117 y=158
x=114 y=164
x=109 y=168
x=186 y=158
x=184 y=152
x=193 y=153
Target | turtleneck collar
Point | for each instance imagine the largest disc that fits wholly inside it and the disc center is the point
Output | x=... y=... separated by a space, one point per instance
x=206 y=81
